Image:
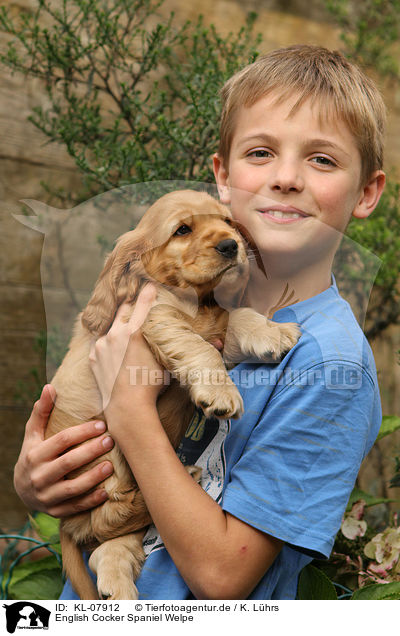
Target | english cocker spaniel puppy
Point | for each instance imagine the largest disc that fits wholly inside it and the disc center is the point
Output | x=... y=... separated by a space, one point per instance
x=189 y=247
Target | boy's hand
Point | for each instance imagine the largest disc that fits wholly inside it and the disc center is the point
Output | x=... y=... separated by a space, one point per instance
x=43 y=464
x=122 y=362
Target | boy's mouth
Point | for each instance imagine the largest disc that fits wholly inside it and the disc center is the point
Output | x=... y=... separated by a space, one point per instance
x=282 y=213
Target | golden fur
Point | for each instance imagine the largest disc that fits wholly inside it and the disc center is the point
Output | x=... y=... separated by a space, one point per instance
x=189 y=247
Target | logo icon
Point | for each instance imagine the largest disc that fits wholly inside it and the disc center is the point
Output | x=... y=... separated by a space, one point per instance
x=26 y=615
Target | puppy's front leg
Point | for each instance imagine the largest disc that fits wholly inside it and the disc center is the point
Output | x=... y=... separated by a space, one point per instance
x=251 y=336
x=193 y=361
x=117 y=563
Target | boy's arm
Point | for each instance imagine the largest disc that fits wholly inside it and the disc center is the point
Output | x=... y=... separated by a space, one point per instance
x=218 y=555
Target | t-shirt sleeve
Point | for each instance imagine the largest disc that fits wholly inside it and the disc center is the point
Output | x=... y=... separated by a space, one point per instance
x=300 y=463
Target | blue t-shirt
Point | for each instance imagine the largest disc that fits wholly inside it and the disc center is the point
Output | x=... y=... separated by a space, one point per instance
x=288 y=466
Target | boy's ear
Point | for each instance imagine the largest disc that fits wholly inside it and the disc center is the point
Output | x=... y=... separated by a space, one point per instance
x=370 y=195
x=222 y=179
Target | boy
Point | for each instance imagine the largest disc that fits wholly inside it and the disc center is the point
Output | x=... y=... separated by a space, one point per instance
x=300 y=153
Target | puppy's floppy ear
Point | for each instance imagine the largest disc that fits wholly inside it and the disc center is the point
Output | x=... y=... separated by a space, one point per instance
x=119 y=281
x=251 y=245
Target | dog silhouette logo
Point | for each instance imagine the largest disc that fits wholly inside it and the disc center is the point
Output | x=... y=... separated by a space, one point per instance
x=26 y=615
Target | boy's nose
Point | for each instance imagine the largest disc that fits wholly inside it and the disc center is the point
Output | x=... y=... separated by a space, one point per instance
x=286 y=178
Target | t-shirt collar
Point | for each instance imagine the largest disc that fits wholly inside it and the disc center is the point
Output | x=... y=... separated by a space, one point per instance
x=305 y=308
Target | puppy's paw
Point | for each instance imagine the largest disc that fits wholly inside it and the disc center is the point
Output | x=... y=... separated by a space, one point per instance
x=117 y=563
x=221 y=401
x=289 y=333
x=116 y=588
x=270 y=340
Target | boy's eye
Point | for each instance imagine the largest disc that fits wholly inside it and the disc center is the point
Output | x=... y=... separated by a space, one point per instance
x=323 y=161
x=259 y=153
x=182 y=229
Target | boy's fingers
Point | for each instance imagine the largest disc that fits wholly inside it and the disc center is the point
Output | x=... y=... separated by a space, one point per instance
x=78 y=504
x=71 y=436
x=41 y=411
x=67 y=489
x=144 y=303
x=76 y=458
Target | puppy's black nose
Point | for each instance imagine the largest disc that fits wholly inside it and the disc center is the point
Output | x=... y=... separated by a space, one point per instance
x=227 y=248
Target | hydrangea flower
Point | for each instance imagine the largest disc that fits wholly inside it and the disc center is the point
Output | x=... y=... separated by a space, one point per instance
x=384 y=548
x=353 y=524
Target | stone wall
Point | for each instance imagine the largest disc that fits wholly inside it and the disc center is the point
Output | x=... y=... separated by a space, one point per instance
x=26 y=160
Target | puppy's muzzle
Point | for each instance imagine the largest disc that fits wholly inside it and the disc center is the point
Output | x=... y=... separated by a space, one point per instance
x=227 y=248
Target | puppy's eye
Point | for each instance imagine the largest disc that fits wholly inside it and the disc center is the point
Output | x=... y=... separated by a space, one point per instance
x=228 y=221
x=183 y=229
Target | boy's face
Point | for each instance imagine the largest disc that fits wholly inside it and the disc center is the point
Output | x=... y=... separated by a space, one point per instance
x=294 y=181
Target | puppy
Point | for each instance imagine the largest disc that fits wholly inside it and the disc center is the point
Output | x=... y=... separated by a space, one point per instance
x=189 y=247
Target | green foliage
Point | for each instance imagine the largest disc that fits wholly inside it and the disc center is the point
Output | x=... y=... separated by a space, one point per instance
x=370 y=31
x=380 y=234
x=390 y=424
x=315 y=585
x=395 y=481
x=378 y=592
x=132 y=98
x=22 y=575
x=48 y=529
x=36 y=580
x=369 y=500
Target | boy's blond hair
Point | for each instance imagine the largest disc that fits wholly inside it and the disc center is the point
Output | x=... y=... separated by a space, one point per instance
x=339 y=88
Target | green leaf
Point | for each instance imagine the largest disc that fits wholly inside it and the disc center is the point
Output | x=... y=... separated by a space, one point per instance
x=378 y=592
x=315 y=585
x=48 y=529
x=370 y=500
x=23 y=570
x=45 y=585
x=45 y=525
x=390 y=424
x=36 y=580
